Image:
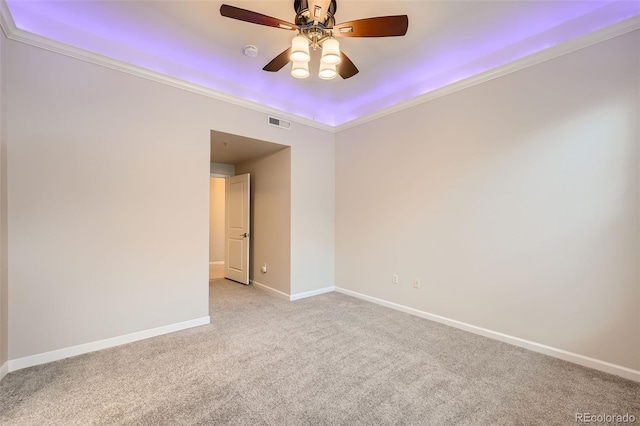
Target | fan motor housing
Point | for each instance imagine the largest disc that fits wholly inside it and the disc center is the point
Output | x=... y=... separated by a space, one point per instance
x=300 y=5
x=303 y=16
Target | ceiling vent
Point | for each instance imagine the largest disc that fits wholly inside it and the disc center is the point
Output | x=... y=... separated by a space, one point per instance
x=278 y=122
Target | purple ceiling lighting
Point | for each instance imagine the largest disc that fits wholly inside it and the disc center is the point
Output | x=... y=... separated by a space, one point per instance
x=177 y=39
x=82 y=24
x=470 y=59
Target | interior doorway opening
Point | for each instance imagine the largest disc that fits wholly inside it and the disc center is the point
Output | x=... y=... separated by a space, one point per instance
x=216 y=227
x=269 y=166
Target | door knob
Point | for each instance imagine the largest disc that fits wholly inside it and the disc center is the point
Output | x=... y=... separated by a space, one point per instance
x=245 y=235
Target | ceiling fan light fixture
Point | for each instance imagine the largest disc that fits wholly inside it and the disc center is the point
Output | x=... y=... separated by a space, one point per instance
x=331 y=51
x=300 y=69
x=327 y=71
x=316 y=27
x=300 y=49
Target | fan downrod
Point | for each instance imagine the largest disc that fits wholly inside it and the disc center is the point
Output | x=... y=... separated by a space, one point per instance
x=304 y=18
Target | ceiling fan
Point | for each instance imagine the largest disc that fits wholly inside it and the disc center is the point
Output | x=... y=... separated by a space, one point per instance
x=316 y=28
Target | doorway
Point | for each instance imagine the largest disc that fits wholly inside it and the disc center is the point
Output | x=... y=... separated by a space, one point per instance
x=216 y=227
x=269 y=166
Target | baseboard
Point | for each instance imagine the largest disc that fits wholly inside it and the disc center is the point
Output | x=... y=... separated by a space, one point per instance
x=311 y=293
x=293 y=297
x=273 y=290
x=43 y=358
x=217 y=262
x=585 y=361
x=4 y=370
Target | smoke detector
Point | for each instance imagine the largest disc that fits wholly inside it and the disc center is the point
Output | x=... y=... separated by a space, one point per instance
x=250 y=51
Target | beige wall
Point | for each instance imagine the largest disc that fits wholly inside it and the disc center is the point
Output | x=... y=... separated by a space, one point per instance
x=515 y=201
x=312 y=223
x=108 y=199
x=270 y=219
x=216 y=220
x=4 y=307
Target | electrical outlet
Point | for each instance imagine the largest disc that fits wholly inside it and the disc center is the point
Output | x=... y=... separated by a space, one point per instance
x=416 y=283
x=395 y=279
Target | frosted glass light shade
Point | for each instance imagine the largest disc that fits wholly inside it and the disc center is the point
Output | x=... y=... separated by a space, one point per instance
x=300 y=49
x=331 y=51
x=327 y=71
x=300 y=69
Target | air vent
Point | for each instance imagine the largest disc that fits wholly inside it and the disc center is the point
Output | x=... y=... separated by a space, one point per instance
x=278 y=122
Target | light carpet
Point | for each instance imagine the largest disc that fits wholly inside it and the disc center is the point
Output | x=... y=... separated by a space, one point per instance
x=326 y=360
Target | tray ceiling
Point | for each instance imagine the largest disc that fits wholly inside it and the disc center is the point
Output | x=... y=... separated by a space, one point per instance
x=447 y=41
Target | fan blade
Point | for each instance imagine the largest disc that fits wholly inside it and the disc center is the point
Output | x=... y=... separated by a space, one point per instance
x=318 y=10
x=255 y=18
x=345 y=67
x=382 y=26
x=279 y=61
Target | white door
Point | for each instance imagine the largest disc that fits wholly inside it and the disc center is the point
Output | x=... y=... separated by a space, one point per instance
x=236 y=265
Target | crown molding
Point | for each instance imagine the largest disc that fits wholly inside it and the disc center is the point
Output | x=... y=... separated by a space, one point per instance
x=556 y=51
x=16 y=34
x=6 y=21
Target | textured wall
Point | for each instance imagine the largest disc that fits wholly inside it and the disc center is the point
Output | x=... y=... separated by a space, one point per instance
x=270 y=219
x=4 y=306
x=108 y=199
x=514 y=201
